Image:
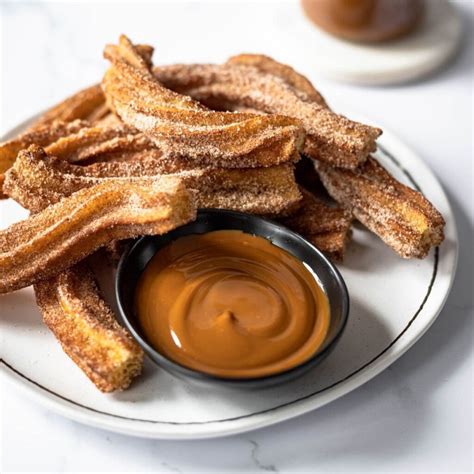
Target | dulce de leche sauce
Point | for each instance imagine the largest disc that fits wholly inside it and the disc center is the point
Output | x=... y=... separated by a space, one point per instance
x=231 y=304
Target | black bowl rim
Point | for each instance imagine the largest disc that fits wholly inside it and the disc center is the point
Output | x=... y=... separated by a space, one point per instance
x=166 y=362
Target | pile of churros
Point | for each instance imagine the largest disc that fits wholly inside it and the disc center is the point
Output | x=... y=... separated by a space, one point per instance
x=139 y=153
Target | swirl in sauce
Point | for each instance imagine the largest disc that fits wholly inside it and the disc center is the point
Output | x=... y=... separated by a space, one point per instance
x=231 y=304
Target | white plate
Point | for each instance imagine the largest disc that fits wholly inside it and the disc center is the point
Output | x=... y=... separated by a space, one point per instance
x=393 y=302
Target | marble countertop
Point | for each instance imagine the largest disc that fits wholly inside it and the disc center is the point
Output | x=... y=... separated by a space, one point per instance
x=414 y=417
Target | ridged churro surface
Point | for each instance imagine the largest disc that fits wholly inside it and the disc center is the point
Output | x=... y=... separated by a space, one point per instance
x=38 y=180
x=70 y=230
x=183 y=127
x=42 y=136
x=87 y=104
x=87 y=330
x=268 y=65
x=402 y=217
x=330 y=137
x=327 y=227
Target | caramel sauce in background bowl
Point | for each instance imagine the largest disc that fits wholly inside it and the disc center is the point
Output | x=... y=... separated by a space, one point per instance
x=232 y=299
x=368 y=21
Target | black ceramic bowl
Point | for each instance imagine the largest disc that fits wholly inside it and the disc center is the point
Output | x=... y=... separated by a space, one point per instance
x=134 y=261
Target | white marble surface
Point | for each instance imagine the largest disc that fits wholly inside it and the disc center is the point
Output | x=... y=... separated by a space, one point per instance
x=415 y=417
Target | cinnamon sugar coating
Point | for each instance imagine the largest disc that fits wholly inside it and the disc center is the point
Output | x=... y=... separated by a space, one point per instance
x=37 y=180
x=87 y=330
x=183 y=127
x=102 y=142
x=330 y=137
x=42 y=136
x=66 y=232
x=402 y=217
x=87 y=104
x=327 y=227
x=268 y=65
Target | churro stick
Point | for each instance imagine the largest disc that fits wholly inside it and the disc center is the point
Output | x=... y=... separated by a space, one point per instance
x=101 y=143
x=109 y=120
x=330 y=137
x=62 y=234
x=327 y=227
x=87 y=104
x=87 y=329
x=402 y=217
x=37 y=180
x=268 y=65
x=183 y=127
x=41 y=136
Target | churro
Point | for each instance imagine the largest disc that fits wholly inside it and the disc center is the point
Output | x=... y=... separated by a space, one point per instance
x=327 y=227
x=42 y=136
x=330 y=137
x=183 y=127
x=37 y=180
x=103 y=143
x=87 y=329
x=266 y=64
x=87 y=104
x=402 y=217
x=66 y=232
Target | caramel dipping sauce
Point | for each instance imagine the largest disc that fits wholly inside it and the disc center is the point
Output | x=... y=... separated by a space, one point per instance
x=365 y=20
x=231 y=304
